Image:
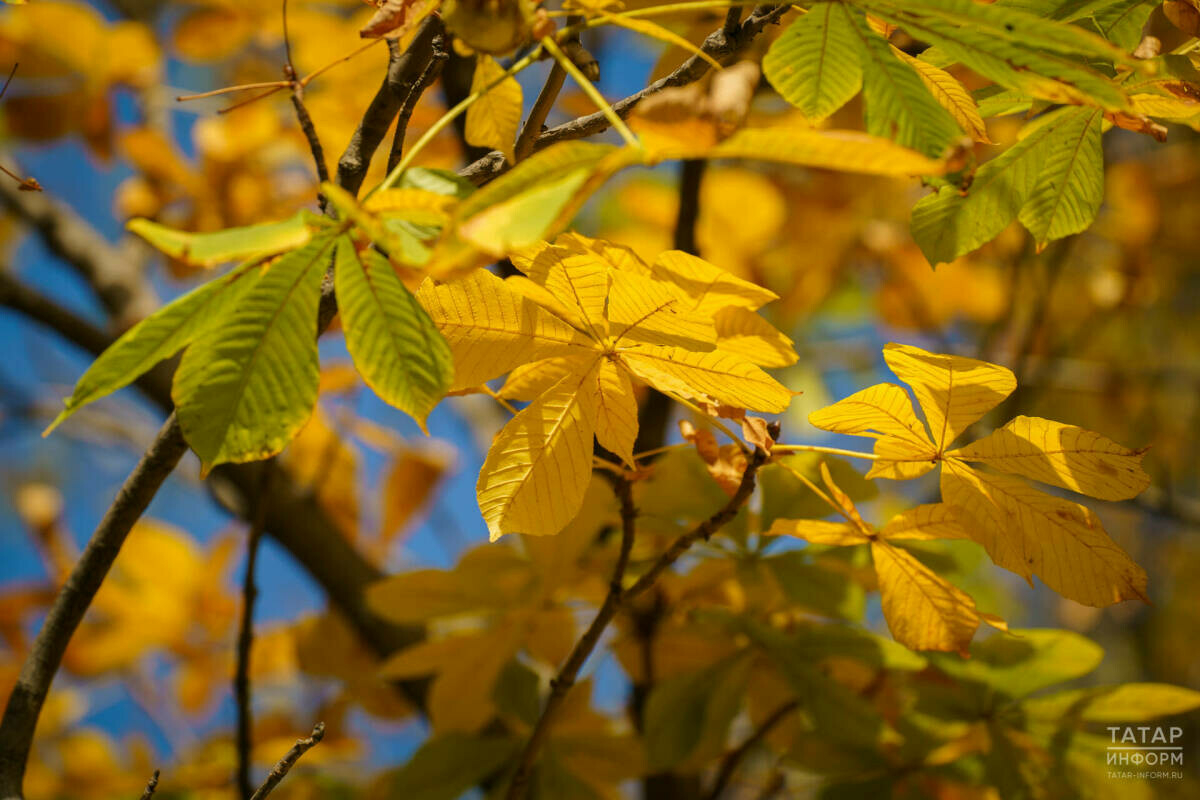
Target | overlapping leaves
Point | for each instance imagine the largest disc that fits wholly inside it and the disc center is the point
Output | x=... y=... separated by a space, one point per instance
x=1022 y=529
x=584 y=321
x=923 y=610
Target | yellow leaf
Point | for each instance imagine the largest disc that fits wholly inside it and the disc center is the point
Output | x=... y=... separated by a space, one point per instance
x=818 y=531
x=1030 y=533
x=923 y=610
x=577 y=280
x=848 y=151
x=409 y=485
x=883 y=411
x=493 y=119
x=720 y=376
x=618 y=256
x=465 y=669
x=616 y=410
x=744 y=333
x=538 y=468
x=415 y=205
x=1062 y=455
x=928 y=521
x=528 y=381
x=1022 y=529
x=953 y=391
x=492 y=329
x=650 y=312
x=950 y=94
x=707 y=287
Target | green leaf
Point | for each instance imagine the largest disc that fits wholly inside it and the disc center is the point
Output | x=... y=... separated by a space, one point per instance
x=1020 y=664
x=245 y=389
x=1119 y=21
x=446 y=766
x=813 y=583
x=516 y=692
x=439 y=181
x=898 y=104
x=813 y=64
x=1041 y=57
x=950 y=223
x=1130 y=702
x=556 y=781
x=161 y=335
x=401 y=243
x=231 y=244
x=689 y=715
x=537 y=197
x=395 y=346
x=1071 y=185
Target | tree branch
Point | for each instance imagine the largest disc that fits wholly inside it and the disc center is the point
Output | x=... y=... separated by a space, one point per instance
x=404 y=71
x=618 y=597
x=245 y=640
x=720 y=45
x=117 y=280
x=280 y=770
x=541 y=109
x=151 y=785
x=706 y=529
x=433 y=69
x=565 y=679
x=554 y=82
x=734 y=758
x=37 y=673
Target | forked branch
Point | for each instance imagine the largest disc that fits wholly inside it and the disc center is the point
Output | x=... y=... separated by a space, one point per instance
x=618 y=597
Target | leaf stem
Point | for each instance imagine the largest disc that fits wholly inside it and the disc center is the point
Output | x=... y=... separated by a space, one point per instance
x=800 y=476
x=495 y=396
x=721 y=426
x=816 y=448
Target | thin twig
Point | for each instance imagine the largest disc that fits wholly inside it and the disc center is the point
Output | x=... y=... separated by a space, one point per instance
x=151 y=785
x=561 y=684
x=734 y=758
x=719 y=45
x=706 y=529
x=245 y=640
x=302 y=115
x=617 y=598
x=549 y=94
x=280 y=770
x=37 y=673
x=537 y=115
x=733 y=20
x=437 y=61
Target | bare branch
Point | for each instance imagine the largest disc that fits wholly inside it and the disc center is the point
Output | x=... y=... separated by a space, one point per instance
x=720 y=45
x=280 y=770
x=734 y=758
x=37 y=673
x=117 y=280
x=565 y=679
x=618 y=597
x=541 y=109
x=151 y=785
x=433 y=69
x=404 y=72
x=245 y=640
